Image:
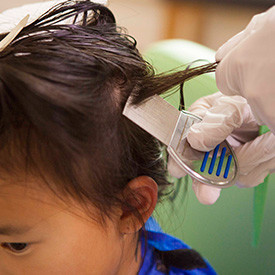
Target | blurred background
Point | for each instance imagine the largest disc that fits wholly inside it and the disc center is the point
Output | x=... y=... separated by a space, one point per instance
x=208 y=22
x=222 y=232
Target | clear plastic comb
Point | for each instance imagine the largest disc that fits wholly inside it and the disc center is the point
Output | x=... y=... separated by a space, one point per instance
x=218 y=167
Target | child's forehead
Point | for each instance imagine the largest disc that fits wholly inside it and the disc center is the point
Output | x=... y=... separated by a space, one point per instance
x=33 y=203
x=22 y=196
x=21 y=208
x=33 y=208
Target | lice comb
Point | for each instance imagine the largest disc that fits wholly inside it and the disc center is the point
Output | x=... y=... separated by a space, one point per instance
x=218 y=167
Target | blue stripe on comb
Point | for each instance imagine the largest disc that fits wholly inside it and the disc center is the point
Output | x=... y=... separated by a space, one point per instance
x=227 y=166
x=204 y=161
x=213 y=159
x=221 y=161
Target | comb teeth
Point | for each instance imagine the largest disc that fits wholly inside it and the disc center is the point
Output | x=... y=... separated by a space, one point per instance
x=227 y=166
x=221 y=161
x=213 y=161
x=211 y=168
x=204 y=161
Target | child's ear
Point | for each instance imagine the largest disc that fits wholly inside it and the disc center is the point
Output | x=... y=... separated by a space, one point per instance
x=142 y=193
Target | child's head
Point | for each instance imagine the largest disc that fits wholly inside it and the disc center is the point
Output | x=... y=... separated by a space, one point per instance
x=72 y=168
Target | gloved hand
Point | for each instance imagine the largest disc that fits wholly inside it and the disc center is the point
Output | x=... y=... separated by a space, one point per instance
x=229 y=117
x=247 y=67
x=11 y=17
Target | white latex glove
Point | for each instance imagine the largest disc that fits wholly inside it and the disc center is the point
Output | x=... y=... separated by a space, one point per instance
x=10 y=18
x=247 y=67
x=229 y=117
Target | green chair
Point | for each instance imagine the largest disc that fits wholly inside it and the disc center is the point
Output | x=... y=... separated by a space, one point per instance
x=222 y=232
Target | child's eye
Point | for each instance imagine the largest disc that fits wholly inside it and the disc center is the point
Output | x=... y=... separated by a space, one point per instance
x=16 y=247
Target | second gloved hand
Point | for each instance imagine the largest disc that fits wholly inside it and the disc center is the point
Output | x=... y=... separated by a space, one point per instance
x=247 y=67
x=229 y=117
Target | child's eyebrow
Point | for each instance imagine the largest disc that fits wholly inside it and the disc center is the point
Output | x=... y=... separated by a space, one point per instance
x=13 y=230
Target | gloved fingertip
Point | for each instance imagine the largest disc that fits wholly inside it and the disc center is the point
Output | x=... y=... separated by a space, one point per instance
x=219 y=54
x=229 y=45
x=206 y=194
x=208 y=200
x=252 y=179
x=174 y=169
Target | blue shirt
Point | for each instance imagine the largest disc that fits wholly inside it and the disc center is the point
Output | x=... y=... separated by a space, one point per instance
x=157 y=239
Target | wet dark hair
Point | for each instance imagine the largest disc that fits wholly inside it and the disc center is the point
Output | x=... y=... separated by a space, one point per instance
x=63 y=87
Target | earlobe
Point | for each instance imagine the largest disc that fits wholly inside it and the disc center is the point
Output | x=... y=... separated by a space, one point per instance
x=142 y=194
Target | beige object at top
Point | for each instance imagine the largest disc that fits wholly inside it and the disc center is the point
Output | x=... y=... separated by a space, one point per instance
x=11 y=17
x=247 y=67
x=14 y=32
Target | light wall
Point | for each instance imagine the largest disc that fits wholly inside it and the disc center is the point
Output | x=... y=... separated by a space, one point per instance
x=148 y=20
